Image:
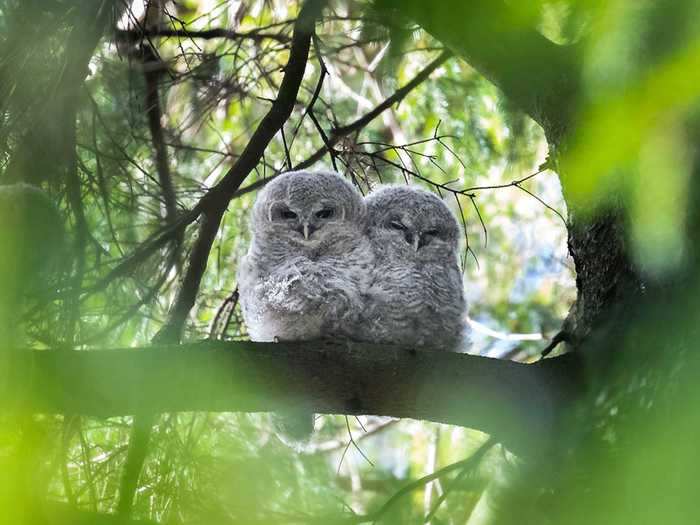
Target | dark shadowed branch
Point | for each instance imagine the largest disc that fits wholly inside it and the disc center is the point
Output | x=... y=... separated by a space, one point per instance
x=397 y=97
x=139 y=441
x=212 y=208
x=281 y=108
x=214 y=203
x=338 y=133
x=154 y=112
x=520 y=404
x=207 y=34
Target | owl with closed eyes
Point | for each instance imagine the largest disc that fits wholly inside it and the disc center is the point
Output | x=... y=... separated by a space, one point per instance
x=416 y=295
x=309 y=258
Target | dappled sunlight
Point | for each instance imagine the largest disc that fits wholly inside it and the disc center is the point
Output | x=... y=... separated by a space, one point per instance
x=135 y=138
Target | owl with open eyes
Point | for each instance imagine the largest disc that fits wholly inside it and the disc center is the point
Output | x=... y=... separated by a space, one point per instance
x=416 y=296
x=309 y=259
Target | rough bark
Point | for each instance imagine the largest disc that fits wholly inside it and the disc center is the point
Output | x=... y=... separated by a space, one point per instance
x=605 y=276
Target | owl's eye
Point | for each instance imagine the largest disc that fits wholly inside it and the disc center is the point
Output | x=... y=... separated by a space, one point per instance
x=396 y=225
x=325 y=213
x=288 y=214
x=434 y=232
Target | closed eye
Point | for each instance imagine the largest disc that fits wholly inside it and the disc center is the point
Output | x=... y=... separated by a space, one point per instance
x=432 y=233
x=397 y=225
x=325 y=213
x=288 y=214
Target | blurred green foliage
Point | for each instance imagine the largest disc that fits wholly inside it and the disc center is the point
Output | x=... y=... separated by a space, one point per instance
x=632 y=145
x=213 y=468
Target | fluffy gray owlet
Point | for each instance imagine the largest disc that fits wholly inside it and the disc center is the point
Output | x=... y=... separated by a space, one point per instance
x=308 y=262
x=416 y=296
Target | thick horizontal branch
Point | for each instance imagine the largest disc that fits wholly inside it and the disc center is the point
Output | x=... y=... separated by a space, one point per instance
x=538 y=75
x=520 y=404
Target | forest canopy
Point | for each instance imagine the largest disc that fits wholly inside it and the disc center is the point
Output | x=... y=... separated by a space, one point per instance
x=135 y=137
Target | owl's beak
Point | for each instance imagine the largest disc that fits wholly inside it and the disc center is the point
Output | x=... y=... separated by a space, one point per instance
x=412 y=239
x=424 y=240
x=306 y=230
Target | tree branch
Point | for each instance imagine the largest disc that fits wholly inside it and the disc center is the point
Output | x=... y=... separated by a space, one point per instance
x=465 y=465
x=281 y=108
x=338 y=133
x=214 y=203
x=343 y=131
x=520 y=404
x=154 y=112
x=34 y=160
x=187 y=294
x=139 y=441
x=207 y=34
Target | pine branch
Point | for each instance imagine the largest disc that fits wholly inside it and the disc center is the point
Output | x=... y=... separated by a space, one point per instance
x=207 y=34
x=337 y=134
x=214 y=203
x=521 y=404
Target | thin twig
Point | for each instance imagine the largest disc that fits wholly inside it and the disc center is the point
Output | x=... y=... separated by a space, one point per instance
x=466 y=464
x=342 y=131
x=352 y=442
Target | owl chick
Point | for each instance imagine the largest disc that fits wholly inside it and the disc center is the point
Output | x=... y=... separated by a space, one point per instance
x=307 y=266
x=416 y=296
x=309 y=259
